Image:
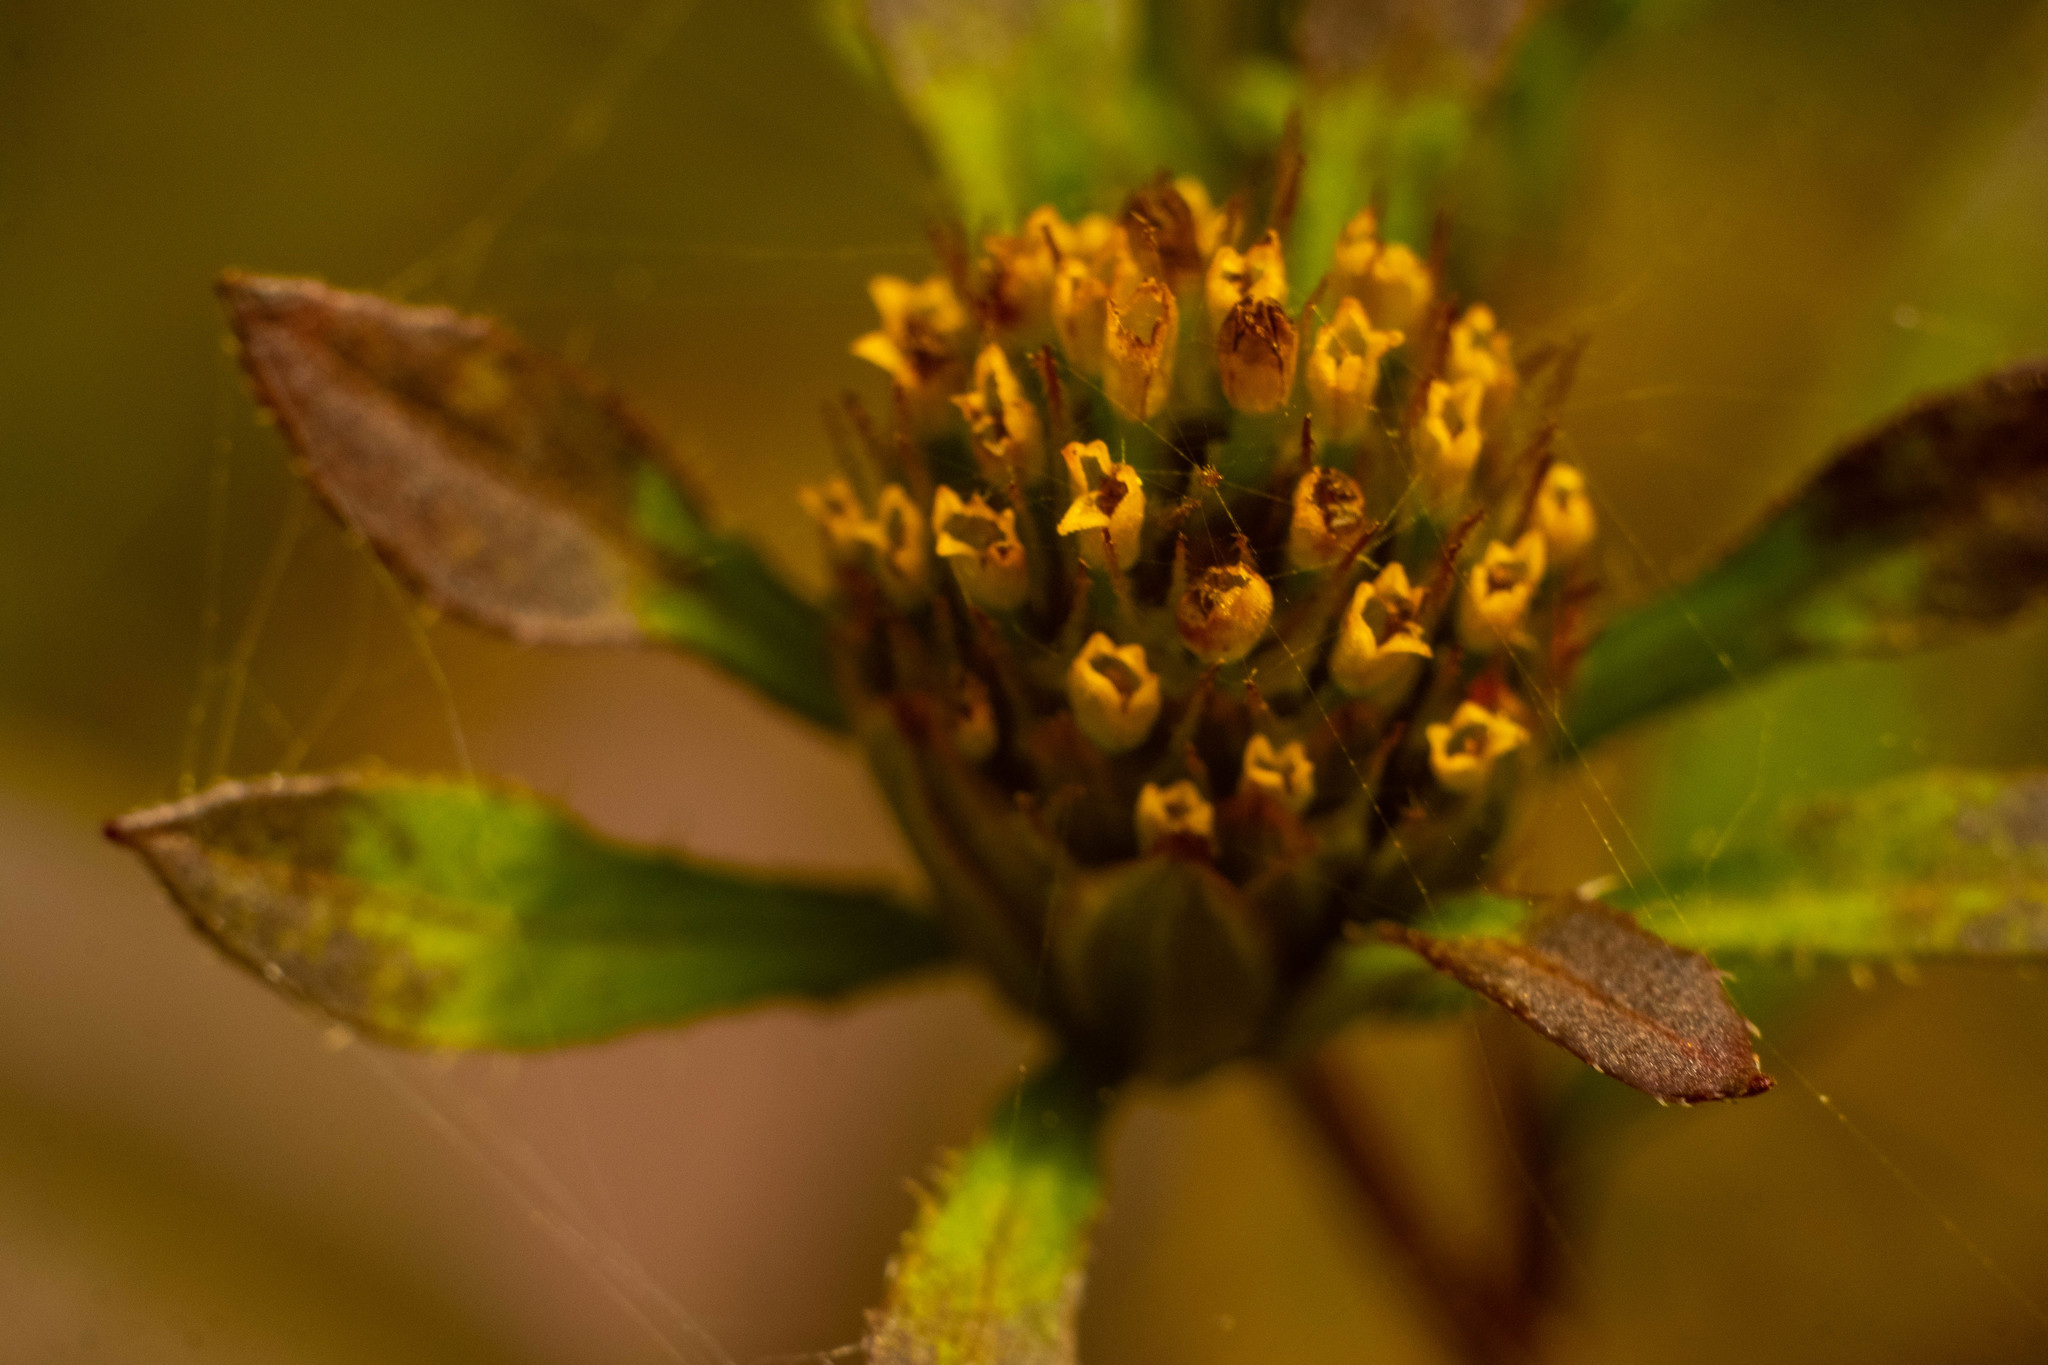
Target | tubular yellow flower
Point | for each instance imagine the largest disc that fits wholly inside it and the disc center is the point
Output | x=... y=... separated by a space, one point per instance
x=1448 y=443
x=1234 y=276
x=974 y=720
x=1564 y=514
x=982 y=546
x=1255 y=354
x=1481 y=352
x=1177 y=813
x=902 y=546
x=1329 y=516
x=1462 y=752
x=1380 y=649
x=919 y=341
x=1344 y=373
x=1009 y=439
x=1114 y=694
x=1498 y=592
x=1223 y=613
x=1397 y=289
x=1285 y=773
x=1143 y=331
x=837 y=509
x=1108 y=506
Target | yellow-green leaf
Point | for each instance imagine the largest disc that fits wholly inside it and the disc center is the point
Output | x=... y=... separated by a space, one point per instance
x=992 y=1271
x=448 y=914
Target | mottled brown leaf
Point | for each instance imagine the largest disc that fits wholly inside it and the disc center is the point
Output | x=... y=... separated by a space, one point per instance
x=1931 y=523
x=511 y=489
x=1623 y=1000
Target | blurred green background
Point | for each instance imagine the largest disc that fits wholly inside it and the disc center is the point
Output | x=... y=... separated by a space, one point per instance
x=1782 y=221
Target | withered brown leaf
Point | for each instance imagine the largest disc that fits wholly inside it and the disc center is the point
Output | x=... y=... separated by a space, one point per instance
x=1587 y=977
x=509 y=488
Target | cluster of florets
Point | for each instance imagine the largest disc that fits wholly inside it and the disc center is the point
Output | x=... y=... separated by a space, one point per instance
x=1195 y=569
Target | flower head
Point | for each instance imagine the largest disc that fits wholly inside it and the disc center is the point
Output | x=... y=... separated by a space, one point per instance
x=1114 y=695
x=1283 y=773
x=1344 y=373
x=1255 y=353
x=1259 y=272
x=1329 y=522
x=1448 y=444
x=1009 y=441
x=918 y=344
x=1141 y=337
x=1498 y=593
x=1177 y=816
x=1564 y=514
x=1223 y=612
x=1108 y=507
x=982 y=546
x=1381 y=649
x=1464 y=749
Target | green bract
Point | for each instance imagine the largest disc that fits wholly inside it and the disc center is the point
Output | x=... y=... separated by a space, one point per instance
x=1202 y=605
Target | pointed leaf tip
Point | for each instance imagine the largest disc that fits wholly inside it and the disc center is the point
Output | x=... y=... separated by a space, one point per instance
x=509 y=488
x=1647 y=1013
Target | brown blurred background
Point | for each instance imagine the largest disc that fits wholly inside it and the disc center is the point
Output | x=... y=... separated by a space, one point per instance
x=1785 y=220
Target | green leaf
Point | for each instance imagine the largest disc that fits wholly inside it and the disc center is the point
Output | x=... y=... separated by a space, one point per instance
x=1589 y=978
x=1935 y=521
x=1939 y=864
x=441 y=913
x=511 y=489
x=991 y=1273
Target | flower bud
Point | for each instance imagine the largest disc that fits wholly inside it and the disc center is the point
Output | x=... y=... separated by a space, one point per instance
x=1481 y=352
x=1344 y=374
x=1234 y=276
x=1564 y=514
x=1109 y=505
x=1009 y=440
x=1255 y=354
x=1448 y=443
x=1223 y=613
x=919 y=341
x=1114 y=695
x=982 y=546
x=1285 y=774
x=1178 y=813
x=1138 y=347
x=902 y=550
x=974 y=720
x=840 y=516
x=1329 y=518
x=1498 y=592
x=1397 y=289
x=1463 y=752
x=1380 y=649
